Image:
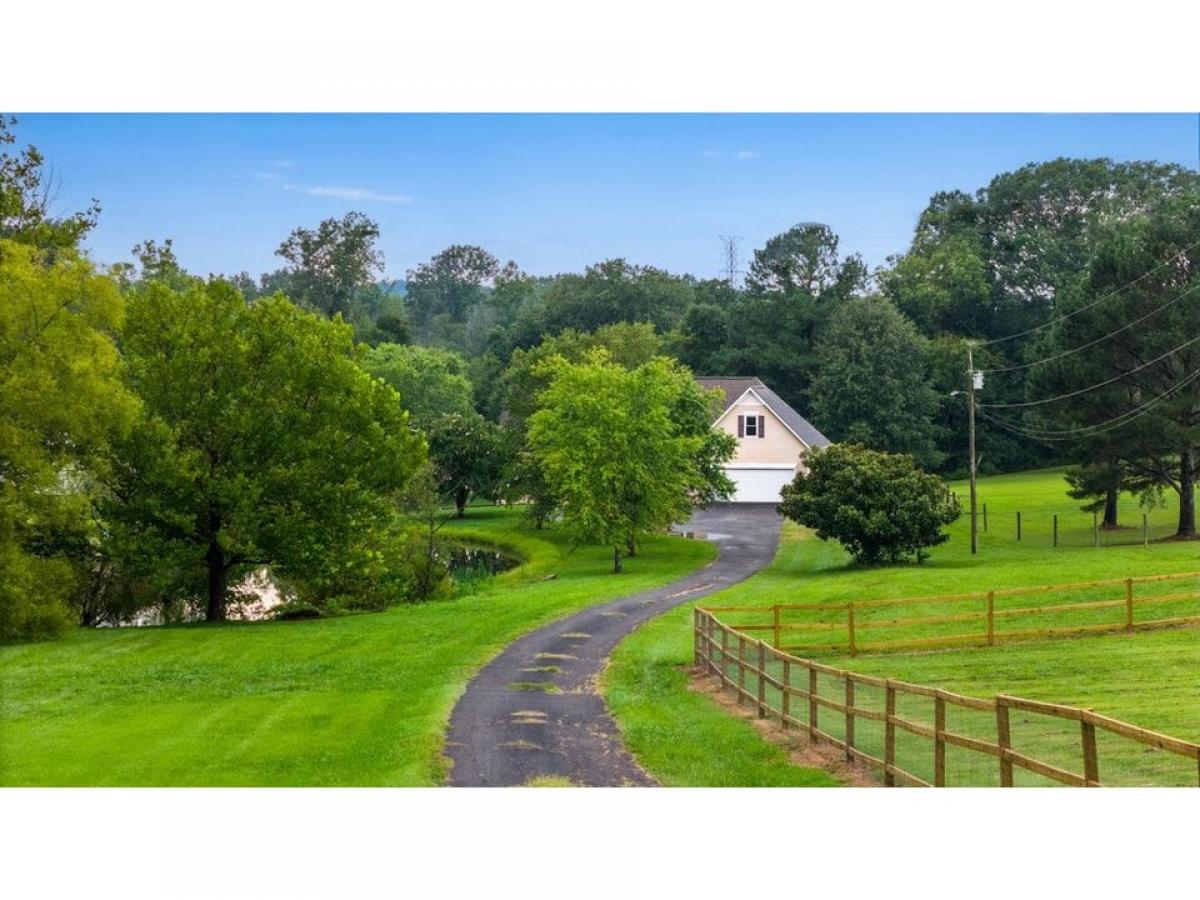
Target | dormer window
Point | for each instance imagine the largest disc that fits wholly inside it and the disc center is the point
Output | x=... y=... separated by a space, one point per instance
x=751 y=426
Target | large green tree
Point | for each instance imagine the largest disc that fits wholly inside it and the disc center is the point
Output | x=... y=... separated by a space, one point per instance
x=615 y=291
x=62 y=403
x=795 y=283
x=804 y=260
x=449 y=286
x=432 y=382
x=1001 y=262
x=262 y=443
x=468 y=457
x=1120 y=367
x=619 y=461
x=329 y=265
x=871 y=385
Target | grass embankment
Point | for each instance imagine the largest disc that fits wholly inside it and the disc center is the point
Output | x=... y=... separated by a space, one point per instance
x=1148 y=678
x=357 y=700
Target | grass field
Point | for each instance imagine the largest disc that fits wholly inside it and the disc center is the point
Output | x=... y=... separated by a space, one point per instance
x=1148 y=678
x=683 y=737
x=357 y=700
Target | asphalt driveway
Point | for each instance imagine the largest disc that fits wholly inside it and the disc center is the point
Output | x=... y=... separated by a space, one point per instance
x=556 y=723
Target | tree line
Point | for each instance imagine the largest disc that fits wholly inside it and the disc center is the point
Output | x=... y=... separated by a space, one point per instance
x=164 y=434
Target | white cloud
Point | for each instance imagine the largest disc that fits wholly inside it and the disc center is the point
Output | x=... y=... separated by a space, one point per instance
x=721 y=154
x=355 y=193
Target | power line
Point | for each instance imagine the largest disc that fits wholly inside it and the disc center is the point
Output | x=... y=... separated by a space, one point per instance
x=1094 y=303
x=1099 y=340
x=1123 y=419
x=1100 y=384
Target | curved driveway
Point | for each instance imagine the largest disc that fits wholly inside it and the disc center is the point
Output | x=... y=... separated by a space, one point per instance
x=556 y=722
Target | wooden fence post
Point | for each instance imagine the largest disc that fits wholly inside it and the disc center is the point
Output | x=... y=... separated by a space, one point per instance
x=762 y=681
x=991 y=618
x=1004 y=741
x=985 y=518
x=786 y=704
x=1091 y=764
x=741 y=670
x=711 y=645
x=889 y=735
x=850 y=627
x=696 y=636
x=1018 y=524
x=849 y=718
x=812 y=704
x=724 y=656
x=939 y=741
x=1129 y=604
x=1145 y=530
x=776 y=626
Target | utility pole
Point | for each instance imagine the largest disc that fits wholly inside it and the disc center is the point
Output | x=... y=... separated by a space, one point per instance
x=972 y=377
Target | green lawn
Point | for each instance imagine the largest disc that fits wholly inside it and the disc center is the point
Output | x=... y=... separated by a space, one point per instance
x=1147 y=678
x=357 y=700
x=683 y=738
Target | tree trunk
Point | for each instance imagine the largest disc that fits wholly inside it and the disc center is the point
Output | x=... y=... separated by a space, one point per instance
x=1110 y=508
x=461 y=495
x=1187 y=494
x=214 y=560
x=631 y=545
x=616 y=560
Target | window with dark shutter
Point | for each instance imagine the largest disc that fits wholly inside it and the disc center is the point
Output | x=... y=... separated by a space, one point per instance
x=741 y=426
x=762 y=420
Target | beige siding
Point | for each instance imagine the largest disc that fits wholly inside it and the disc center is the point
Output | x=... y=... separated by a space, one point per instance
x=779 y=446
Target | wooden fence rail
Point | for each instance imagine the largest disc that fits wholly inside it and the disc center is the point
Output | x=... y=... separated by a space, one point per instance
x=774 y=688
x=850 y=622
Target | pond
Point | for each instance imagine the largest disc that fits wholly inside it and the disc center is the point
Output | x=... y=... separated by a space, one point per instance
x=468 y=563
x=258 y=597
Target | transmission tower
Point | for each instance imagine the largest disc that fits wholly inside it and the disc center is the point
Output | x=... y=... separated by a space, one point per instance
x=729 y=259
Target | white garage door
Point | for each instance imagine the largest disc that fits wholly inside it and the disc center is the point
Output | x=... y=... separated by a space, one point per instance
x=759 y=484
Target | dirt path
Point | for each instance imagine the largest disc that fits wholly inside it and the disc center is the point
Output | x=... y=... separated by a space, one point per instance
x=535 y=710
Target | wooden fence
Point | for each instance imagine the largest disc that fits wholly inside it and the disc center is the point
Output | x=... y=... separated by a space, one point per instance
x=844 y=624
x=788 y=688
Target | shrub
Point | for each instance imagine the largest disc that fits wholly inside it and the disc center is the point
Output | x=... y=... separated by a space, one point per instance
x=880 y=506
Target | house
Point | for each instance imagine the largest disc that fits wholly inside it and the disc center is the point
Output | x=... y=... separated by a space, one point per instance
x=772 y=437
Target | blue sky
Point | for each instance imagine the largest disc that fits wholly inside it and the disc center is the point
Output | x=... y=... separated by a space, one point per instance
x=553 y=192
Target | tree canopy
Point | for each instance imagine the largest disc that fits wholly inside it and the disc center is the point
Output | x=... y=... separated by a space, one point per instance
x=27 y=193
x=1119 y=377
x=329 y=264
x=870 y=385
x=431 y=382
x=616 y=456
x=62 y=404
x=262 y=443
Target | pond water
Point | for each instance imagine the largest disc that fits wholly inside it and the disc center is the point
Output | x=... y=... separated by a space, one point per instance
x=258 y=597
x=467 y=563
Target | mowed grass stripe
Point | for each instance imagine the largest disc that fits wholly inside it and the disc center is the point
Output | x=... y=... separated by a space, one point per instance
x=357 y=700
